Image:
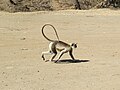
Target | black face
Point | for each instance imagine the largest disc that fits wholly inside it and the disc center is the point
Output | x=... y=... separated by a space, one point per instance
x=74 y=45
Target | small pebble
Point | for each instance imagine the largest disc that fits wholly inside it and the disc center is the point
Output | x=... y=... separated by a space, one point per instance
x=22 y=38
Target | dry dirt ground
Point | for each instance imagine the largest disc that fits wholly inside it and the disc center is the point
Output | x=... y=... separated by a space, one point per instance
x=97 y=33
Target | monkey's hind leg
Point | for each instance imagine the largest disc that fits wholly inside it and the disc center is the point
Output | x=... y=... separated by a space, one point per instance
x=45 y=53
x=60 y=55
x=53 y=56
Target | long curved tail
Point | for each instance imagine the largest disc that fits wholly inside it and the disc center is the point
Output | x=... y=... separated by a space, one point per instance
x=46 y=36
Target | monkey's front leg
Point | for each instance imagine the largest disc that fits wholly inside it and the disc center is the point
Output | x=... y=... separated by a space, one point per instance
x=70 y=53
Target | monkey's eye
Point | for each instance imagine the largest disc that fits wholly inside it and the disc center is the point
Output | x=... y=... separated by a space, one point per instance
x=72 y=44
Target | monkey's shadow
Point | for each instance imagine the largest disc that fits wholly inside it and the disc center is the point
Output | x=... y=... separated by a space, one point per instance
x=68 y=61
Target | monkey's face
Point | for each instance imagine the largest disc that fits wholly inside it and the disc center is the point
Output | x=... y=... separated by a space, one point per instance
x=74 y=45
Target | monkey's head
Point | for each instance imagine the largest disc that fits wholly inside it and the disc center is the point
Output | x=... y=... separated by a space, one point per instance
x=74 y=45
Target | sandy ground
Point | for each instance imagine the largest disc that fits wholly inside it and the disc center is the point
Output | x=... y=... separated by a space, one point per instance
x=97 y=33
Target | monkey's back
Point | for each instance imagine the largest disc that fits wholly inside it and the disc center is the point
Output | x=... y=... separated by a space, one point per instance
x=62 y=45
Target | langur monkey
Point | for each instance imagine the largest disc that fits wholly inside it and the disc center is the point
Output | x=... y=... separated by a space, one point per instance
x=57 y=46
